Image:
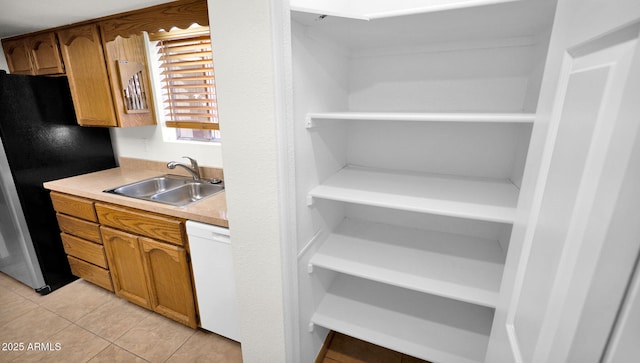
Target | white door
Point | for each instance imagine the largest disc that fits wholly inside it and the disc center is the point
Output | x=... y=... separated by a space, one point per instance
x=573 y=254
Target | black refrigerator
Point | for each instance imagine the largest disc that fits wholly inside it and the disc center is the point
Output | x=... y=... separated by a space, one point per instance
x=40 y=141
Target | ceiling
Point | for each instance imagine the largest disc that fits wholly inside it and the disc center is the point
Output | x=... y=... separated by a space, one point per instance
x=508 y=19
x=516 y=19
x=25 y=16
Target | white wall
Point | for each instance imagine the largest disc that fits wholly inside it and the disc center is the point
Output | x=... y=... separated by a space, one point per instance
x=486 y=76
x=146 y=142
x=247 y=84
x=3 y=60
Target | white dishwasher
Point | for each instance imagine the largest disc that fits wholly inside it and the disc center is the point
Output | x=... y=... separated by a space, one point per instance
x=212 y=265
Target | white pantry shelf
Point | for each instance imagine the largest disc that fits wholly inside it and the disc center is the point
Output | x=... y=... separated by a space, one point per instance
x=425 y=326
x=524 y=118
x=484 y=199
x=459 y=267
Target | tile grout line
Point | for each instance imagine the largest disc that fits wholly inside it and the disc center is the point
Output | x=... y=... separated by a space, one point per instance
x=51 y=303
x=183 y=343
x=18 y=316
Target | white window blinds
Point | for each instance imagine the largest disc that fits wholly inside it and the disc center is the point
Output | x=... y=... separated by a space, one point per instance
x=187 y=77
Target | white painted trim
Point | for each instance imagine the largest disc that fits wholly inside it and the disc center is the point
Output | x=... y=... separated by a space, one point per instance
x=538 y=194
x=281 y=26
x=621 y=345
x=513 y=341
x=311 y=242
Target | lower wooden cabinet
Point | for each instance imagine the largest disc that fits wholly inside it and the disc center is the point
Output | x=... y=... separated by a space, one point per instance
x=125 y=262
x=169 y=280
x=90 y=272
x=147 y=271
x=141 y=256
x=80 y=236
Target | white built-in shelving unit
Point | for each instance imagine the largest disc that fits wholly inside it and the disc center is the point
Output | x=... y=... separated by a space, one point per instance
x=419 y=291
x=427 y=326
x=467 y=197
x=526 y=118
x=405 y=202
x=455 y=266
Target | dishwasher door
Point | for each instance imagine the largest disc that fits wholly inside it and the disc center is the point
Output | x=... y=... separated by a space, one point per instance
x=212 y=266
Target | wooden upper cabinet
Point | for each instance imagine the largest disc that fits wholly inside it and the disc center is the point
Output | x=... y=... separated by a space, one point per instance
x=87 y=73
x=37 y=54
x=109 y=81
x=105 y=60
x=17 y=56
x=129 y=79
x=45 y=54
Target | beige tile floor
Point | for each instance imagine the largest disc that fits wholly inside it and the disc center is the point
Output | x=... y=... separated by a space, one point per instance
x=85 y=323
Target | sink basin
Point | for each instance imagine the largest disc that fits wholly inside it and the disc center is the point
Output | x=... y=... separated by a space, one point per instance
x=169 y=189
x=149 y=187
x=187 y=193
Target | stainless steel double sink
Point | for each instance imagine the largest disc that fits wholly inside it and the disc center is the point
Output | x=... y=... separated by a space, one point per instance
x=170 y=189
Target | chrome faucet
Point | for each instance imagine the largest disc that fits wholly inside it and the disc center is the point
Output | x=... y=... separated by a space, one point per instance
x=193 y=169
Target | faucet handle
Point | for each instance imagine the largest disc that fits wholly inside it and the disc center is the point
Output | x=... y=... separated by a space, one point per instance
x=194 y=166
x=194 y=163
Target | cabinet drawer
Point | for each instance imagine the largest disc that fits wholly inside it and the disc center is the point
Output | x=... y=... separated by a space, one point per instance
x=142 y=223
x=91 y=273
x=79 y=227
x=84 y=250
x=74 y=206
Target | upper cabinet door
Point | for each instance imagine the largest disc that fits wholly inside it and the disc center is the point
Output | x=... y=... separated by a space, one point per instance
x=129 y=78
x=87 y=72
x=45 y=54
x=17 y=56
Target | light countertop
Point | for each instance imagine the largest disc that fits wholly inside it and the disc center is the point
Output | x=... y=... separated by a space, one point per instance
x=212 y=210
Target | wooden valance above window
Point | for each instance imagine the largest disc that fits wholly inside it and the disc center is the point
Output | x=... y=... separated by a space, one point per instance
x=180 y=14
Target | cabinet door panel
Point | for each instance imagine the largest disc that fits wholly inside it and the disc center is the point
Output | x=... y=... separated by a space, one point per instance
x=17 y=56
x=127 y=67
x=87 y=72
x=169 y=281
x=125 y=262
x=45 y=54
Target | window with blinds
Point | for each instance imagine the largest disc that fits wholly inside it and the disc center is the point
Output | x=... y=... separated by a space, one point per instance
x=188 y=83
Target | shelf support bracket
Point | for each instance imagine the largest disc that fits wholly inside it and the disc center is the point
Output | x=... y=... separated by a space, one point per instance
x=310 y=327
x=308 y=122
x=309 y=201
x=309 y=268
